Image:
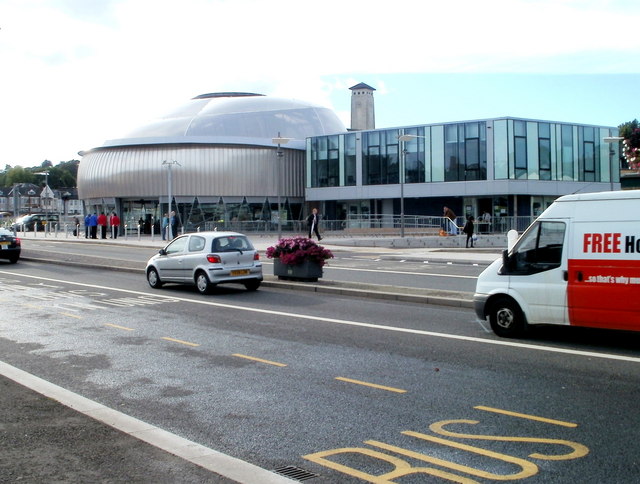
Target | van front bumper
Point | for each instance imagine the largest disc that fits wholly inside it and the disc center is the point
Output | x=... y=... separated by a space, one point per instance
x=479 y=304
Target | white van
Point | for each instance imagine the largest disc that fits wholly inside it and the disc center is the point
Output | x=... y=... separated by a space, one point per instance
x=578 y=264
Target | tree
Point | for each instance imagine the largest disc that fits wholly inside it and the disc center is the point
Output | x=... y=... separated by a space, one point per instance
x=19 y=175
x=630 y=131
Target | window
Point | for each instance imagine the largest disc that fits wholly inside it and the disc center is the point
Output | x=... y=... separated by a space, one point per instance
x=231 y=244
x=520 y=148
x=544 y=151
x=589 y=153
x=196 y=244
x=538 y=250
x=567 y=152
x=178 y=245
x=380 y=157
x=350 y=159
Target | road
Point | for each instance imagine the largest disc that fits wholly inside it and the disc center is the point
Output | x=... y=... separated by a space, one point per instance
x=385 y=269
x=342 y=389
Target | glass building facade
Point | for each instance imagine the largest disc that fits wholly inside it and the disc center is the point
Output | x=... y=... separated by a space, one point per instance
x=504 y=166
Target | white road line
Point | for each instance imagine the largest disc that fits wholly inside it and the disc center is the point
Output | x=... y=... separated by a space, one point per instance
x=472 y=339
x=223 y=464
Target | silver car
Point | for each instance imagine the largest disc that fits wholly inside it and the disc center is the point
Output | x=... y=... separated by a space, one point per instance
x=206 y=259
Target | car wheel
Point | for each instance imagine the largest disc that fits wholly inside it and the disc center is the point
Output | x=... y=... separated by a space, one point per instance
x=13 y=260
x=506 y=318
x=153 y=278
x=252 y=285
x=203 y=284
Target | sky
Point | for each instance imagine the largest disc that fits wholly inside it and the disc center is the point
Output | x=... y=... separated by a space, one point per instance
x=75 y=73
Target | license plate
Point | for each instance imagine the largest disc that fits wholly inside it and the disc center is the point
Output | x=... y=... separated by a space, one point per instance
x=4 y=245
x=240 y=272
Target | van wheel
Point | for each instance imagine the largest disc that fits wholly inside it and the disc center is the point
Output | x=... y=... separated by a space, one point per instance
x=506 y=318
x=203 y=284
x=153 y=278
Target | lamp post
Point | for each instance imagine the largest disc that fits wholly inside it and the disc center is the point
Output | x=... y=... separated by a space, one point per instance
x=609 y=140
x=279 y=154
x=31 y=193
x=169 y=165
x=65 y=199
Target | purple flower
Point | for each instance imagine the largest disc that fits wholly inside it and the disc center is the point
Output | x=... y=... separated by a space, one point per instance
x=296 y=250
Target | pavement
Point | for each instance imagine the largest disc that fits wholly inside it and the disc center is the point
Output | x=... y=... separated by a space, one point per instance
x=49 y=434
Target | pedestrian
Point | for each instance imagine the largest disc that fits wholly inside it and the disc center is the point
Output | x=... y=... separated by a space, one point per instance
x=450 y=219
x=87 y=226
x=173 y=222
x=76 y=226
x=115 y=225
x=468 y=229
x=102 y=225
x=165 y=226
x=93 y=225
x=312 y=222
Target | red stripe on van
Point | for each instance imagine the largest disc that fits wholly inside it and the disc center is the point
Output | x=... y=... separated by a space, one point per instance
x=604 y=293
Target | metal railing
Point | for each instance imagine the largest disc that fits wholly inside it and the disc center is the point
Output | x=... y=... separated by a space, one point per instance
x=378 y=225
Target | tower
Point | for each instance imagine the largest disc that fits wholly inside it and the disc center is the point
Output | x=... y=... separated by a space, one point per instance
x=362 y=108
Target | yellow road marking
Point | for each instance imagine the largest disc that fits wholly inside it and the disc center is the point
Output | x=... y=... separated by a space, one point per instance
x=529 y=417
x=118 y=327
x=72 y=315
x=179 y=341
x=274 y=363
x=372 y=385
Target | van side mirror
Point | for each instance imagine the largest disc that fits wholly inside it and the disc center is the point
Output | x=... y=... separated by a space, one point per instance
x=162 y=252
x=505 y=262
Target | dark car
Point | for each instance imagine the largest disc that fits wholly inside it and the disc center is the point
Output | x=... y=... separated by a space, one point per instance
x=9 y=246
x=28 y=222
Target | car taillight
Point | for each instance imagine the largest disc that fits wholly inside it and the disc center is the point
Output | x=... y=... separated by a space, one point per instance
x=256 y=256
x=18 y=241
x=213 y=259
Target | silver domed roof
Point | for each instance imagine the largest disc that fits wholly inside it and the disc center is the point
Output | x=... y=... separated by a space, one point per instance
x=236 y=117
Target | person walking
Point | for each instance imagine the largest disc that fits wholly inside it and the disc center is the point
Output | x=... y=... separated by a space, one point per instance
x=173 y=222
x=165 y=226
x=449 y=214
x=468 y=229
x=312 y=222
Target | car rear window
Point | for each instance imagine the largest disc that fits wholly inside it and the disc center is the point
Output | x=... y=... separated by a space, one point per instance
x=231 y=243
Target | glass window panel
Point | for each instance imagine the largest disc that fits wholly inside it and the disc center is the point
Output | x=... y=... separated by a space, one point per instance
x=500 y=149
x=472 y=130
x=350 y=160
x=544 y=130
x=520 y=128
x=567 y=152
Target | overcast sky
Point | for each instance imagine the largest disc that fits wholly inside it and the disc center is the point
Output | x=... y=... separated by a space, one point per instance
x=75 y=73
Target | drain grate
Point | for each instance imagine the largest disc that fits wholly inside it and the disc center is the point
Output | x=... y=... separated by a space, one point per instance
x=296 y=473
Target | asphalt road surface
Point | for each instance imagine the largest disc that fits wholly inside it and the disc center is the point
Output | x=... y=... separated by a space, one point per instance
x=342 y=389
x=347 y=266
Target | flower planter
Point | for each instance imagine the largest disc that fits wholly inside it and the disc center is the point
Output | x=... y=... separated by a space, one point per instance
x=307 y=271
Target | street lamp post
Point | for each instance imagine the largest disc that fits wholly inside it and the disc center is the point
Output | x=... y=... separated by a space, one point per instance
x=65 y=199
x=609 y=140
x=31 y=193
x=279 y=154
x=169 y=165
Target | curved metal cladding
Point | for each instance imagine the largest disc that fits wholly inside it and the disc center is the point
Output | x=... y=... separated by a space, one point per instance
x=204 y=170
x=223 y=143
